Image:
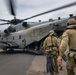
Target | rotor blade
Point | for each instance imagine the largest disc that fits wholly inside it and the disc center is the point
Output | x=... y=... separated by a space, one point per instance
x=59 y=8
x=4 y=23
x=5 y=20
x=12 y=8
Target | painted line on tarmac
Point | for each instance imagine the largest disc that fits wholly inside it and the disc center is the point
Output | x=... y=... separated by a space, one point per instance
x=38 y=66
x=1 y=50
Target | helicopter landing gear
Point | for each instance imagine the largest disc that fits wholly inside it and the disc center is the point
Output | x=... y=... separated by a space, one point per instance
x=4 y=49
x=8 y=50
x=11 y=50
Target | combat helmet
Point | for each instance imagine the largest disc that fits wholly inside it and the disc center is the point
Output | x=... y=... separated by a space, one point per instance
x=51 y=32
x=71 y=21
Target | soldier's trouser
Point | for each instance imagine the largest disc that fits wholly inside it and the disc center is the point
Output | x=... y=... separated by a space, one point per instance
x=55 y=66
x=70 y=66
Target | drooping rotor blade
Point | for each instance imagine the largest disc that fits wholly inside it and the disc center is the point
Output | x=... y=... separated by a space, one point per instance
x=59 y=8
x=4 y=23
x=11 y=6
x=5 y=20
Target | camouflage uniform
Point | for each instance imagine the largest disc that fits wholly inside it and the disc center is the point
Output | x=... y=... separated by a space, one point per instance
x=69 y=38
x=48 y=42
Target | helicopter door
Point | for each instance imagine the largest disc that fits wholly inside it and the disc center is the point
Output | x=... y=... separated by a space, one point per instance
x=23 y=41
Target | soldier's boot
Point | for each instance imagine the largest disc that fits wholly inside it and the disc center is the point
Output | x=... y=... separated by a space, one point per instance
x=52 y=73
x=70 y=72
x=56 y=73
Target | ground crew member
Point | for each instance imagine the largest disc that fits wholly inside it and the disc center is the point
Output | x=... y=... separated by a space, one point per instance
x=51 y=43
x=69 y=39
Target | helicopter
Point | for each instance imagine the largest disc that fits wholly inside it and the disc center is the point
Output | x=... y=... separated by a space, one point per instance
x=29 y=36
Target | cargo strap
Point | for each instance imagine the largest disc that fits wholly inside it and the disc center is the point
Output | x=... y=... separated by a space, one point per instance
x=52 y=46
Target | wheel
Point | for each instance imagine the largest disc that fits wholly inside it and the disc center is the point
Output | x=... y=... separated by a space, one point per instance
x=11 y=51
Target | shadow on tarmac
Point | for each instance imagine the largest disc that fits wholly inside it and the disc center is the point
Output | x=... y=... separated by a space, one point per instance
x=19 y=52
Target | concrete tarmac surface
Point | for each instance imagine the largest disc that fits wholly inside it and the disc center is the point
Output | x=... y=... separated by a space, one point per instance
x=17 y=63
x=25 y=64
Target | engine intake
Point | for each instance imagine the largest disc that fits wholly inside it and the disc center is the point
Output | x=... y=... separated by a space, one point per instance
x=25 y=24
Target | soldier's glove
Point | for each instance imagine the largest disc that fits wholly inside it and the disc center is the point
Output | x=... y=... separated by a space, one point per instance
x=59 y=59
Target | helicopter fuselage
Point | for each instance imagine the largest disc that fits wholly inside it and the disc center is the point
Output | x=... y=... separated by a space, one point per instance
x=23 y=38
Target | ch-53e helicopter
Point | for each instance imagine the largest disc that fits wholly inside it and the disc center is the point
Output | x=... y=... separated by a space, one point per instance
x=29 y=36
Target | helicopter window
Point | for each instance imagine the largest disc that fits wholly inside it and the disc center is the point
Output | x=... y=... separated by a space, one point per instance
x=13 y=37
x=19 y=36
x=53 y=24
x=56 y=24
x=7 y=38
x=49 y=24
x=1 y=38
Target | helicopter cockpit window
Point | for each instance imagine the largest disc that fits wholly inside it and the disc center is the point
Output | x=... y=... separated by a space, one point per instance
x=19 y=36
x=11 y=29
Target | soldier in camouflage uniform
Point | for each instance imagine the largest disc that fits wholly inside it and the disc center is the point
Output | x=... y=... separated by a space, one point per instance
x=69 y=38
x=51 y=43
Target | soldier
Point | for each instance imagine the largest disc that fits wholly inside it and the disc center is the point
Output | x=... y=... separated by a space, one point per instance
x=69 y=39
x=51 y=45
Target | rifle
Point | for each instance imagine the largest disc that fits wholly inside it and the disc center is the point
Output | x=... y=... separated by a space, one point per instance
x=64 y=57
x=50 y=63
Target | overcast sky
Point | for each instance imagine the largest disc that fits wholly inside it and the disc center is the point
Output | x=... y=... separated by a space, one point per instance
x=27 y=8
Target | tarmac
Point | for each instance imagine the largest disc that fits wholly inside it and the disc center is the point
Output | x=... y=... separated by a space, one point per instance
x=38 y=67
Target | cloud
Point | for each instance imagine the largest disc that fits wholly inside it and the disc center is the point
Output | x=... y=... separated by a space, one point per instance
x=32 y=7
x=27 y=8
